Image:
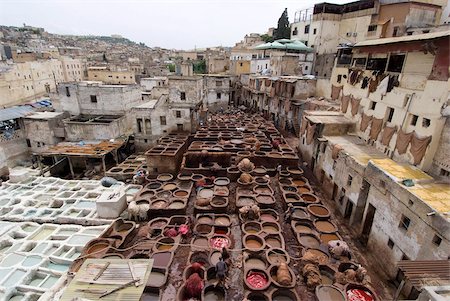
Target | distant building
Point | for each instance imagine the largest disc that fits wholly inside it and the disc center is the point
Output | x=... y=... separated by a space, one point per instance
x=111 y=77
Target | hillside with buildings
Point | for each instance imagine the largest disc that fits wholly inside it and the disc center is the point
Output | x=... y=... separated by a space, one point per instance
x=313 y=166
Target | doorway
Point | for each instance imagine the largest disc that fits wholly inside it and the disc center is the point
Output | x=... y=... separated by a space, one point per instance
x=348 y=209
x=367 y=224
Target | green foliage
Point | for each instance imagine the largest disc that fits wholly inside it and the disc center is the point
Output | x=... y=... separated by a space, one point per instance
x=199 y=67
x=266 y=38
x=283 y=30
x=171 y=67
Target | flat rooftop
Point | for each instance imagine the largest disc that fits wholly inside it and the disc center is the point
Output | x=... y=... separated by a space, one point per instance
x=329 y=119
x=147 y=105
x=94 y=149
x=93 y=119
x=44 y=115
x=356 y=148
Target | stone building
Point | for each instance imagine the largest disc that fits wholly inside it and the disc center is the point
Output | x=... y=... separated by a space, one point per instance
x=327 y=25
x=32 y=80
x=94 y=98
x=44 y=129
x=217 y=91
x=398 y=86
x=112 y=77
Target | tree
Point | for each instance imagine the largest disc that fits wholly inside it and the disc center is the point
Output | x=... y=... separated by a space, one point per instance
x=266 y=38
x=283 y=30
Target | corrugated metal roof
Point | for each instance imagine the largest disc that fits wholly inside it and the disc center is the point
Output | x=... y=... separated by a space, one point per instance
x=24 y=110
x=419 y=37
x=15 y=112
x=426 y=272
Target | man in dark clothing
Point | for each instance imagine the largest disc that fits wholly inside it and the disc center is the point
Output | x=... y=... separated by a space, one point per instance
x=221 y=270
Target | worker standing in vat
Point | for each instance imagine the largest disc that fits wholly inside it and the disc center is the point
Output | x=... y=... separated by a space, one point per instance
x=221 y=271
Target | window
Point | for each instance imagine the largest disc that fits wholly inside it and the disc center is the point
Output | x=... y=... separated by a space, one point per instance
x=339 y=78
x=183 y=96
x=404 y=223
x=444 y=173
x=180 y=127
x=396 y=31
x=178 y=114
x=344 y=56
x=28 y=142
x=67 y=92
x=139 y=125
x=372 y=28
x=219 y=95
x=376 y=64
x=437 y=240
x=373 y=104
x=307 y=29
x=349 y=180
x=390 y=114
x=396 y=63
x=93 y=98
x=162 y=120
x=410 y=202
x=359 y=62
x=306 y=67
x=218 y=83
x=334 y=164
x=414 y=119
x=426 y=122
x=306 y=43
x=295 y=31
x=240 y=64
x=390 y=243
x=314 y=30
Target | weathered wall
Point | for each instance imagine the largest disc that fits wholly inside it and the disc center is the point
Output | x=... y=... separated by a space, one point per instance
x=111 y=77
x=76 y=131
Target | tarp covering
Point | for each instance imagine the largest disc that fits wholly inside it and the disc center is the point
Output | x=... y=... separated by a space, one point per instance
x=365 y=120
x=375 y=128
x=355 y=105
x=335 y=91
x=419 y=147
x=310 y=133
x=388 y=132
x=403 y=140
x=344 y=102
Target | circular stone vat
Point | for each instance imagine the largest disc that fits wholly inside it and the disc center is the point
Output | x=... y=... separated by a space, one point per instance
x=302 y=181
x=303 y=227
x=292 y=197
x=325 y=226
x=169 y=186
x=256 y=279
x=165 y=244
x=274 y=241
x=214 y=257
x=253 y=242
x=162 y=259
x=288 y=188
x=310 y=198
x=254 y=261
x=265 y=199
x=283 y=295
x=116 y=169
x=321 y=256
x=177 y=204
x=146 y=194
x=205 y=193
x=251 y=228
x=327 y=274
x=158 y=223
x=269 y=215
x=214 y=293
x=329 y=293
x=308 y=241
x=319 y=211
x=164 y=177
x=203 y=229
x=153 y=185
x=277 y=256
x=222 y=181
x=222 y=221
x=260 y=170
x=352 y=289
x=196 y=177
x=270 y=228
x=327 y=237
x=164 y=194
x=219 y=202
x=181 y=193
x=201 y=257
x=205 y=219
x=97 y=247
x=262 y=180
x=285 y=181
x=188 y=271
x=256 y=296
x=273 y=276
x=299 y=213
x=158 y=204
x=219 y=242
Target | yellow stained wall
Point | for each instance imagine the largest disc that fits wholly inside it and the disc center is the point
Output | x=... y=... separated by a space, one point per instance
x=112 y=77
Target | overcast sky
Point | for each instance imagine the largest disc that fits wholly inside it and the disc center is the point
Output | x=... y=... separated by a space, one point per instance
x=181 y=24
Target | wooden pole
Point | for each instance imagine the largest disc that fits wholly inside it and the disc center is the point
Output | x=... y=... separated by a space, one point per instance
x=104 y=165
x=71 y=168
